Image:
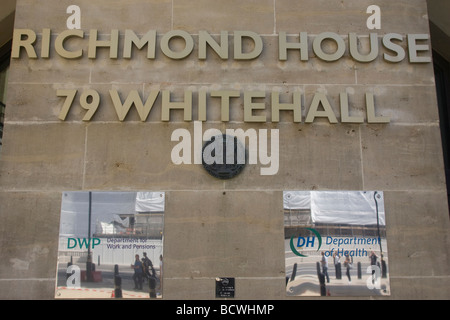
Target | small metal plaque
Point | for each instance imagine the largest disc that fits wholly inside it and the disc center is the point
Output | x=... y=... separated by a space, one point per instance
x=225 y=288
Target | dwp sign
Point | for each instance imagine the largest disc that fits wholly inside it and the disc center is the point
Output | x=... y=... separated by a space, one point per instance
x=86 y=242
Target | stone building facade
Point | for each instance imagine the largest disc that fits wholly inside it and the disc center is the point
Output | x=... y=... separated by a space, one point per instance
x=342 y=97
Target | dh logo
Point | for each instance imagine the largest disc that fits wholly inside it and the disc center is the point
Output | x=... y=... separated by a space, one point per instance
x=306 y=242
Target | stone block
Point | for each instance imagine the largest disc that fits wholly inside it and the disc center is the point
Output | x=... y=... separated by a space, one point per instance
x=393 y=156
x=50 y=157
x=29 y=235
x=229 y=233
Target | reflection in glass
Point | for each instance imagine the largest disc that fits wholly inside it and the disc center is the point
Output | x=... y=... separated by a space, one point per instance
x=335 y=243
x=103 y=235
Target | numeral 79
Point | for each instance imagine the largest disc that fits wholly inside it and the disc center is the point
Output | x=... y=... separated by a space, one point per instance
x=89 y=100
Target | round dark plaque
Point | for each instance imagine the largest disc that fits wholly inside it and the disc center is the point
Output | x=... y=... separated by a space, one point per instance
x=226 y=169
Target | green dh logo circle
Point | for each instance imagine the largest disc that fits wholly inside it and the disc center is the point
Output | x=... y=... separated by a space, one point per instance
x=294 y=250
